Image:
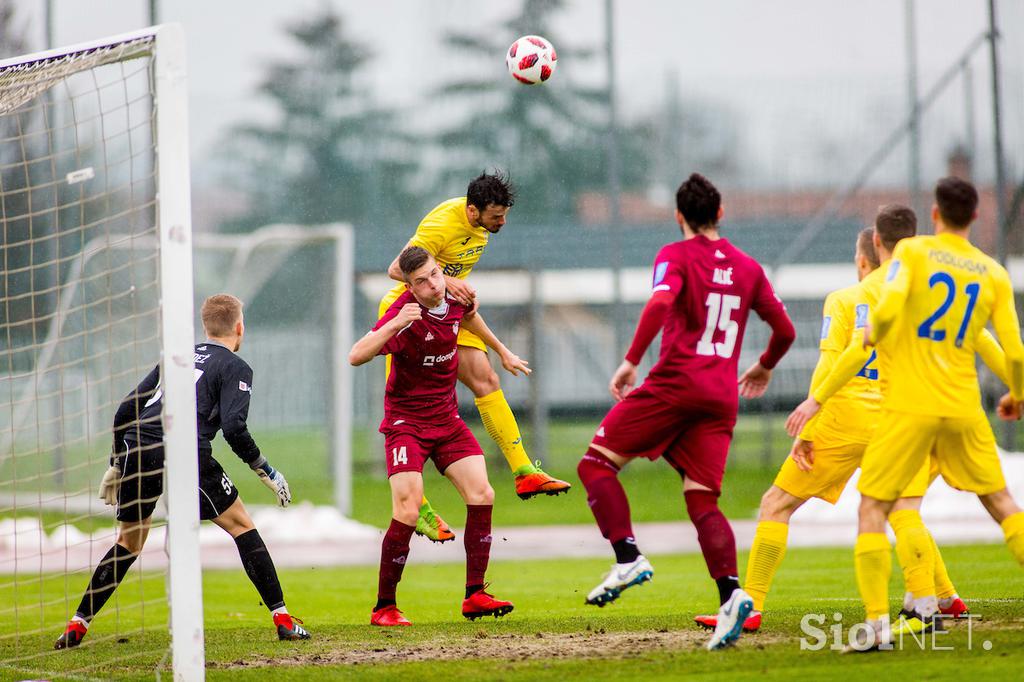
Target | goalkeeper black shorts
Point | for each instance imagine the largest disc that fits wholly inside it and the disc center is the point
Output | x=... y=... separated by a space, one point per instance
x=142 y=483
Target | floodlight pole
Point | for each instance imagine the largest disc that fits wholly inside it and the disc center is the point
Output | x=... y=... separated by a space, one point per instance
x=914 y=167
x=614 y=188
x=997 y=135
x=1009 y=428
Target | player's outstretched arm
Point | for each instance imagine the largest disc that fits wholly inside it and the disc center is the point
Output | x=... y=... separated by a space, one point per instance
x=368 y=347
x=509 y=360
x=853 y=358
x=1007 y=329
x=893 y=297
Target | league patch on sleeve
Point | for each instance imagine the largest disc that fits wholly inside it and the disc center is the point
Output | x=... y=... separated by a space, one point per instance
x=861 y=317
x=659 y=272
x=894 y=268
x=826 y=322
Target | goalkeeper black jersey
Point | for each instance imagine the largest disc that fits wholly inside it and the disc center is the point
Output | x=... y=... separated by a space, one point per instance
x=223 y=389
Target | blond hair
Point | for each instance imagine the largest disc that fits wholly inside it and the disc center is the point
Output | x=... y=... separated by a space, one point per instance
x=220 y=314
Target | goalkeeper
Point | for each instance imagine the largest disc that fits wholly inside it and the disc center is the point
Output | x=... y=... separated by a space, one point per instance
x=134 y=480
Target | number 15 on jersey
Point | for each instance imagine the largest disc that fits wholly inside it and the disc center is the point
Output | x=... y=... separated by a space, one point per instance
x=720 y=309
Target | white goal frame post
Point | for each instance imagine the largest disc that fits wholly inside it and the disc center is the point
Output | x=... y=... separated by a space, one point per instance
x=165 y=45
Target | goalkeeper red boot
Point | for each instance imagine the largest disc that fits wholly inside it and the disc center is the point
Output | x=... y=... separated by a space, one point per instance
x=956 y=609
x=751 y=624
x=532 y=481
x=480 y=604
x=288 y=627
x=73 y=635
x=388 y=616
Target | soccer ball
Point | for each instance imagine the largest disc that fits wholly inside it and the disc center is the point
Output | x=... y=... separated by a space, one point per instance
x=531 y=60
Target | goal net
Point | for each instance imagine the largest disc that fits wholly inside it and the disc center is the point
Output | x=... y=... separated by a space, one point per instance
x=95 y=290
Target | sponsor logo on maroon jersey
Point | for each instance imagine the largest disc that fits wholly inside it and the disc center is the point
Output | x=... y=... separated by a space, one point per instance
x=431 y=360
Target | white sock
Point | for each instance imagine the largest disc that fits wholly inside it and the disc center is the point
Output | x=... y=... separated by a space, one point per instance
x=908 y=601
x=79 y=619
x=926 y=606
x=283 y=610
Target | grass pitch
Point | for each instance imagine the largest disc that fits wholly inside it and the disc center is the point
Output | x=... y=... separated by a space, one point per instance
x=647 y=634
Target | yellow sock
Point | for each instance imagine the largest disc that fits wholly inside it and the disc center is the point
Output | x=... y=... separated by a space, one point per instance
x=1013 y=530
x=502 y=428
x=766 y=556
x=944 y=588
x=914 y=550
x=873 y=560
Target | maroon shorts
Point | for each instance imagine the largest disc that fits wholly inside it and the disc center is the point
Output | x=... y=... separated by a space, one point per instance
x=696 y=443
x=408 y=446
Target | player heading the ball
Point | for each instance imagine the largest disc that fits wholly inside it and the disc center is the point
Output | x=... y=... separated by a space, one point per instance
x=420 y=331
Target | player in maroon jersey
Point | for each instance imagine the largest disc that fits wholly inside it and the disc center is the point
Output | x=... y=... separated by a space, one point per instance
x=421 y=422
x=704 y=289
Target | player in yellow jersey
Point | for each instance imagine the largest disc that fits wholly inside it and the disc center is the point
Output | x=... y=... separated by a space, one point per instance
x=822 y=462
x=940 y=293
x=456 y=232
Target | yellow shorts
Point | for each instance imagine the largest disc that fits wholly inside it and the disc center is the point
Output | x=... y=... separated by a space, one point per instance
x=964 y=449
x=835 y=460
x=466 y=338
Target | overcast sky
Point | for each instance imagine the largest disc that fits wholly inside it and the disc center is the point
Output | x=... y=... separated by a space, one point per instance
x=773 y=61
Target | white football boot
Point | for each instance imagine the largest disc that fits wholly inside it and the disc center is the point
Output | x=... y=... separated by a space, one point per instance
x=731 y=616
x=619 y=578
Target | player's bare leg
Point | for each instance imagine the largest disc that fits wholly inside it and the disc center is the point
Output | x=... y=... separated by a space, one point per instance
x=476 y=373
x=599 y=471
x=131 y=536
x=469 y=476
x=260 y=568
x=406 y=497
x=1004 y=510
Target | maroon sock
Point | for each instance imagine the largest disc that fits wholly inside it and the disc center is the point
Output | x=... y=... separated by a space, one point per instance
x=477 y=540
x=605 y=495
x=393 y=553
x=713 y=532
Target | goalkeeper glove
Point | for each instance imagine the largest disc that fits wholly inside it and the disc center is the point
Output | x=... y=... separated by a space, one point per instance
x=108 y=486
x=273 y=479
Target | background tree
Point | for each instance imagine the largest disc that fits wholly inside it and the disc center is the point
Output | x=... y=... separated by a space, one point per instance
x=549 y=137
x=331 y=154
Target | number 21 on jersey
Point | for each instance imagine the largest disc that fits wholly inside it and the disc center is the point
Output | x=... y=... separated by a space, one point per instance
x=720 y=309
x=944 y=279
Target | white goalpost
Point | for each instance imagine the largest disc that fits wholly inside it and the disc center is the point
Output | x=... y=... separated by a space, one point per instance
x=97 y=288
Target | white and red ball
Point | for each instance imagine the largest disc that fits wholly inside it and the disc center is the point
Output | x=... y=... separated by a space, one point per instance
x=531 y=60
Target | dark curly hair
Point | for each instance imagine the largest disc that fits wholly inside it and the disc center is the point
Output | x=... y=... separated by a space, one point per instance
x=490 y=188
x=698 y=201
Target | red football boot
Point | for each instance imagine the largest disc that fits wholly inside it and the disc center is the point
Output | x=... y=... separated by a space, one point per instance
x=751 y=624
x=532 y=481
x=288 y=627
x=388 y=616
x=957 y=609
x=72 y=637
x=480 y=604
